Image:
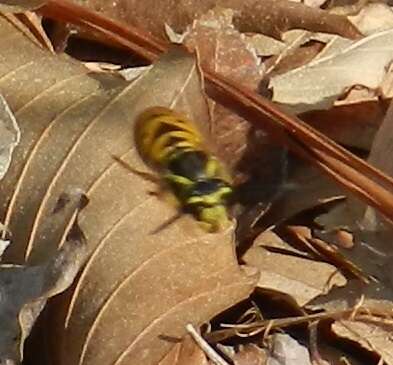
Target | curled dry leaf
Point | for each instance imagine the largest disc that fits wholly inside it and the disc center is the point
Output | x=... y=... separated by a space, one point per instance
x=288 y=271
x=374 y=334
x=24 y=291
x=318 y=84
x=137 y=289
x=9 y=136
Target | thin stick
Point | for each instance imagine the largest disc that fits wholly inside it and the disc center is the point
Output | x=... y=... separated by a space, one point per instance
x=207 y=349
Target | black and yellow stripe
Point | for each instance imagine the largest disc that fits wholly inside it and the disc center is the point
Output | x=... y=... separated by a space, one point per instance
x=174 y=146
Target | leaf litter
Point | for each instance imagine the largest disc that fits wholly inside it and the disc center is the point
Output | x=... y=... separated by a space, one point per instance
x=288 y=249
x=198 y=275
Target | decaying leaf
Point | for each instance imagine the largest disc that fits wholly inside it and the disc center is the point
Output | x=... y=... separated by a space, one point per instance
x=24 y=291
x=137 y=289
x=289 y=271
x=318 y=84
x=9 y=136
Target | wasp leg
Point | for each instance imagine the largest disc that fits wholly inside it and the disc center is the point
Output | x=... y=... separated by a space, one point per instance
x=144 y=175
x=167 y=223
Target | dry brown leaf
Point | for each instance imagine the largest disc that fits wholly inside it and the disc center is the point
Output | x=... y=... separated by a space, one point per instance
x=351 y=125
x=318 y=84
x=137 y=288
x=374 y=297
x=291 y=272
x=374 y=335
x=26 y=289
x=306 y=189
x=185 y=353
x=264 y=45
x=371 y=253
x=223 y=49
x=335 y=355
x=373 y=18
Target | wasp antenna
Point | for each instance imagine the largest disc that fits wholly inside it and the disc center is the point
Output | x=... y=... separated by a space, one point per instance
x=144 y=175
